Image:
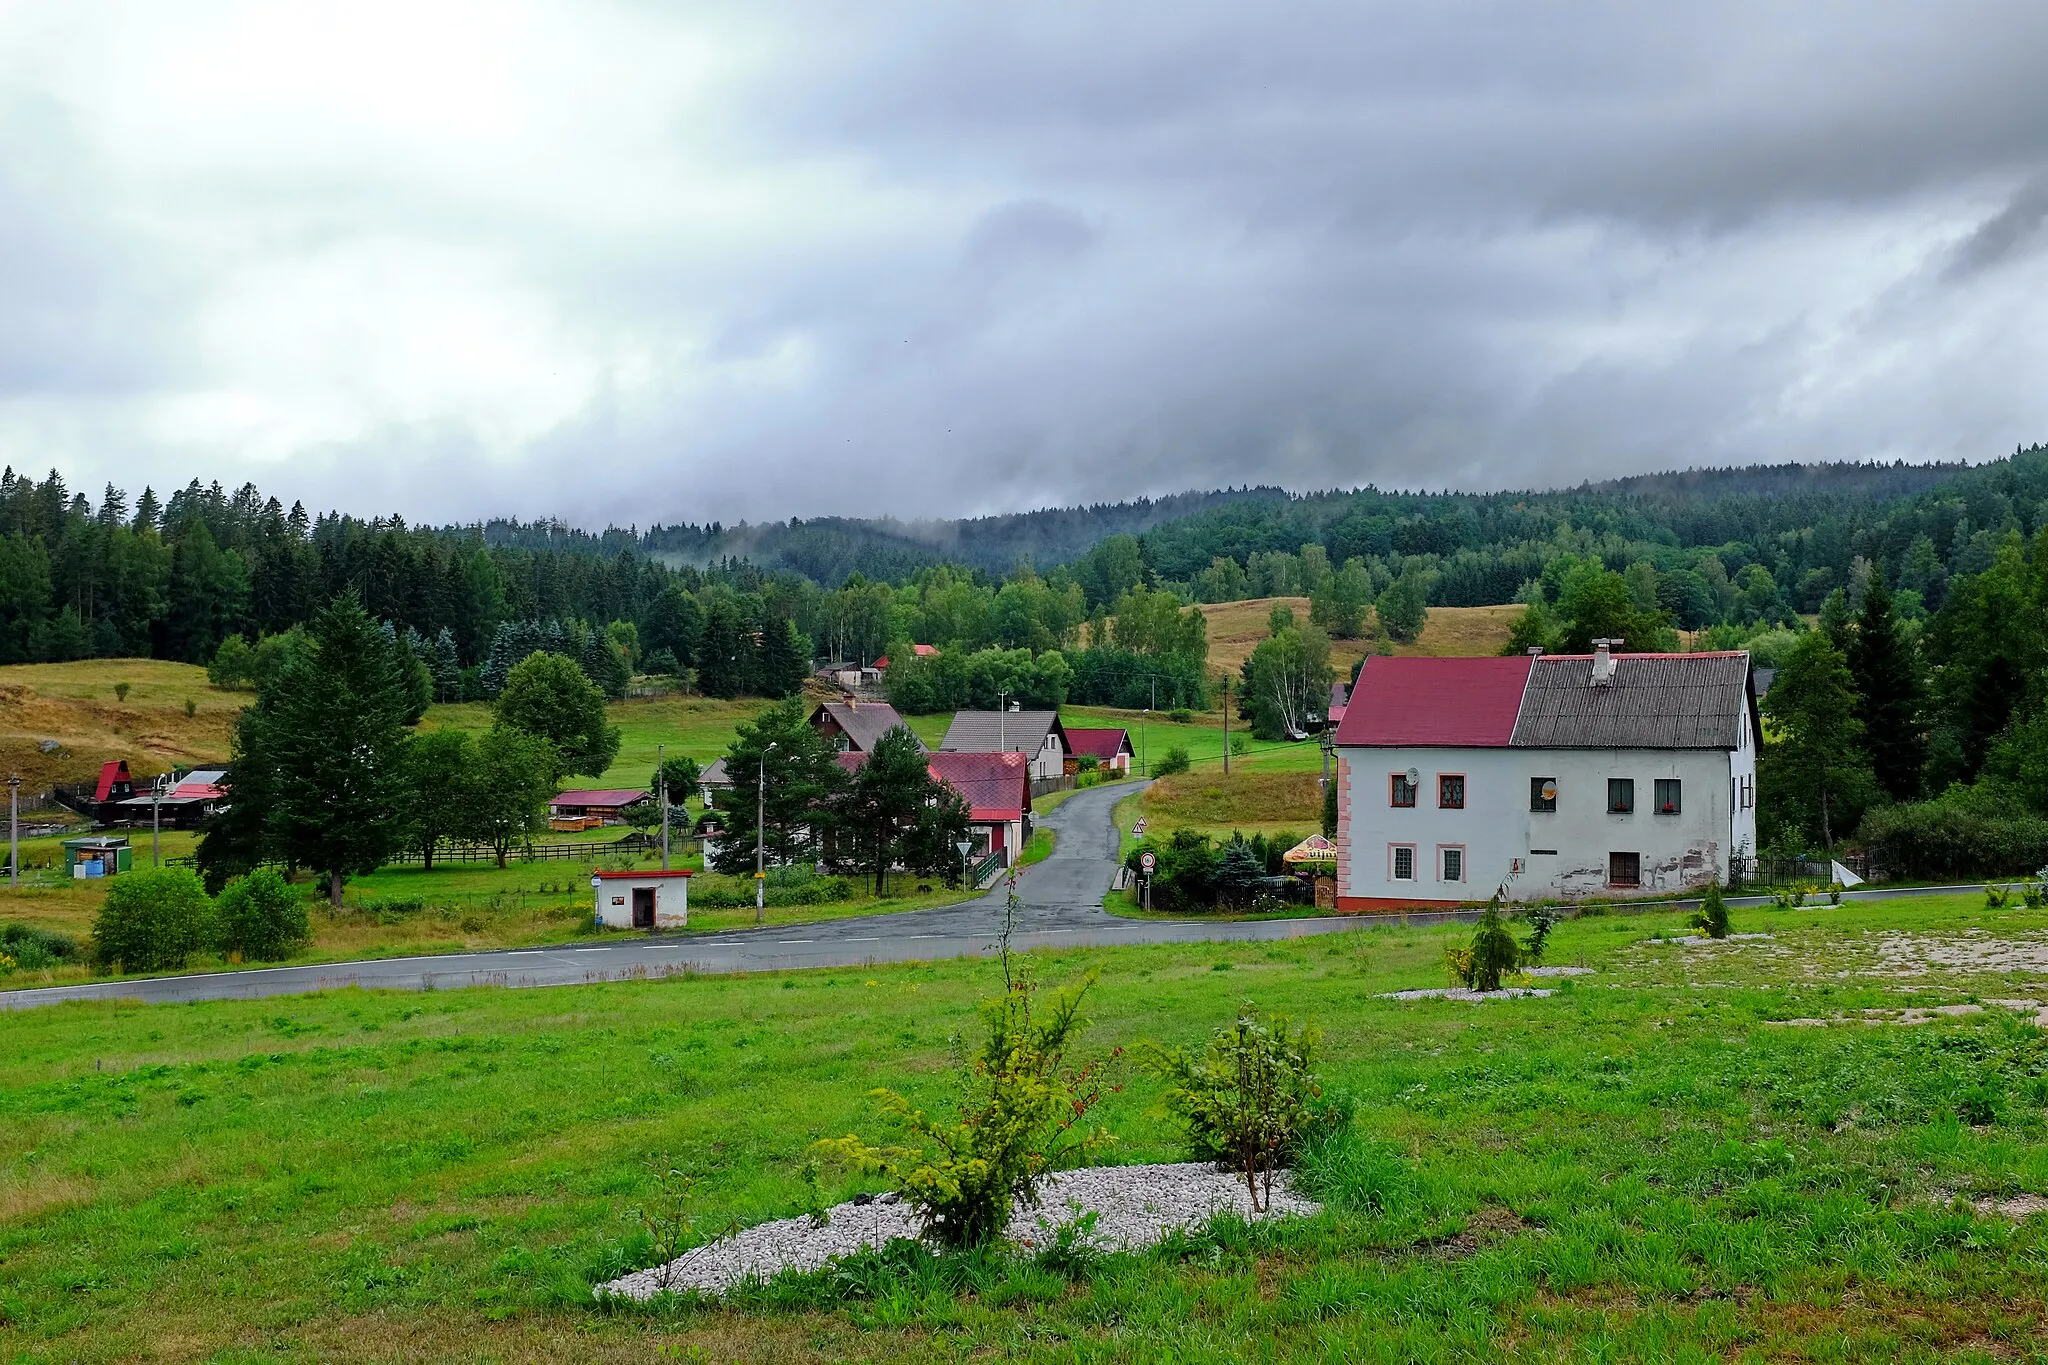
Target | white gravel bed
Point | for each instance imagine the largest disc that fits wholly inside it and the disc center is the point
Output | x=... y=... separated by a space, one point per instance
x=1470 y=996
x=1135 y=1206
x=1700 y=941
x=1557 y=971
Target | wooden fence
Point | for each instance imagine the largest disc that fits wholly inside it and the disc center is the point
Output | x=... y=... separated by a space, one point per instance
x=582 y=850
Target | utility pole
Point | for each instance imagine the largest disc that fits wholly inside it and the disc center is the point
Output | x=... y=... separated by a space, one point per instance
x=1002 y=721
x=661 y=785
x=14 y=830
x=761 y=837
x=1145 y=762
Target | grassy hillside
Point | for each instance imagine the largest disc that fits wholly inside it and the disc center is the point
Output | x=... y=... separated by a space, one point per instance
x=75 y=704
x=1635 y=1168
x=1236 y=628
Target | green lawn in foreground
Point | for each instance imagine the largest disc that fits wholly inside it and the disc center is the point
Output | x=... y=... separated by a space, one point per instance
x=1645 y=1166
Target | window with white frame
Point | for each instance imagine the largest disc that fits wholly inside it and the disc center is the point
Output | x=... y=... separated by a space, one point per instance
x=1403 y=862
x=1450 y=859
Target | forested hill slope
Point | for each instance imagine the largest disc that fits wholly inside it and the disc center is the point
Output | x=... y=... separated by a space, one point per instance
x=1186 y=531
x=829 y=549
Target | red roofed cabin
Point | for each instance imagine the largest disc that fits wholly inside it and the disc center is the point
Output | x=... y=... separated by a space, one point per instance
x=1110 y=748
x=997 y=790
x=184 y=803
x=1565 y=777
x=115 y=784
x=591 y=809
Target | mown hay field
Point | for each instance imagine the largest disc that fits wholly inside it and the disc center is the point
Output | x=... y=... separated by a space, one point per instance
x=1740 y=1151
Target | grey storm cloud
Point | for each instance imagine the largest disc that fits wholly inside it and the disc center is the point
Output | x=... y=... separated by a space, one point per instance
x=632 y=263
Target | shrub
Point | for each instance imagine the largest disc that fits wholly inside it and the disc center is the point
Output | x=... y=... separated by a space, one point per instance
x=35 y=950
x=1995 y=896
x=1175 y=761
x=1087 y=763
x=1542 y=919
x=1494 y=950
x=1185 y=875
x=261 y=917
x=152 y=920
x=1458 y=964
x=1248 y=1102
x=120 y=691
x=1954 y=840
x=1712 y=920
x=1020 y=1102
x=1180 y=715
x=1240 y=873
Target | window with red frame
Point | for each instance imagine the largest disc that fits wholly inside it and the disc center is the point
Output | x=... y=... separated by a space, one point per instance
x=1450 y=791
x=1401 y=789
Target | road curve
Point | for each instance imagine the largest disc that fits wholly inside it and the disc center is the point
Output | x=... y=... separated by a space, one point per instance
x=1060 y=905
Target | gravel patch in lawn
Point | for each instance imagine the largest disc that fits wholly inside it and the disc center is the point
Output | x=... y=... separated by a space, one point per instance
x=1470 y=996
x=1557 y=971
x=1135 y=1206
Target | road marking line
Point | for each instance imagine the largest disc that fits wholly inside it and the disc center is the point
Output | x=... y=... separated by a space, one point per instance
x=927 y=935
x=796 y=940
x=862 y=940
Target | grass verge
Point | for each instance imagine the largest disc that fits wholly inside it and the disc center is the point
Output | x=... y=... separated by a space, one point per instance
x=1648 y=1164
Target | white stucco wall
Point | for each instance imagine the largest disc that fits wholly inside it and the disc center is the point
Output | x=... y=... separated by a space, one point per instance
x=1496 y=827
x=615 y=901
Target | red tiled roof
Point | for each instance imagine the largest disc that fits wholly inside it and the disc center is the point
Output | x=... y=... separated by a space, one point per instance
x=995 y=786
x=611 y=796
x=921 y=651
x=1098 y=744
x=1455 y=703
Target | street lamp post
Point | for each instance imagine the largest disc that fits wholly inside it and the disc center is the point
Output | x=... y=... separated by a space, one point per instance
x=761 y=837
x=156 y=818
x=14 y=829
x=1002 y=721
x=661 y=785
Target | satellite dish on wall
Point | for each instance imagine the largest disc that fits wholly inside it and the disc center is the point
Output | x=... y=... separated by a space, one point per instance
x=1550 y=791
x=1414 y=777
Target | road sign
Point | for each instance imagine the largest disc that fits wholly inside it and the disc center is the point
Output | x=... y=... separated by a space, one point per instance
x=1148 y=862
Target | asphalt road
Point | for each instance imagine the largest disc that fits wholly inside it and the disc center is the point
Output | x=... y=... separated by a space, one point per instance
x=1060 y=906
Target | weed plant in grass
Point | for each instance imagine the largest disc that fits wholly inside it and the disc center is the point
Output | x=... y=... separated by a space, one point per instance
x=1645 y=1165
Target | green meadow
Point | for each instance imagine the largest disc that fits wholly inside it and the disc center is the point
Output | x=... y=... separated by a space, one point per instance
x=1787 y=1148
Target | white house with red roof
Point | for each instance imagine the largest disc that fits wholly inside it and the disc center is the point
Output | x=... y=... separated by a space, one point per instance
x=1562 y=776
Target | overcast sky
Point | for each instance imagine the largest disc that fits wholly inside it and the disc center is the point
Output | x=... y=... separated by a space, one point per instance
x=663 y=262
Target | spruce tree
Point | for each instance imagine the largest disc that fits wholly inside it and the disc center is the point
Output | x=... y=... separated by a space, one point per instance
x=721 y=667
x=1712 y=920
x=326 y=750
x=782 y=665
x=446 y=667
x=1886 y=672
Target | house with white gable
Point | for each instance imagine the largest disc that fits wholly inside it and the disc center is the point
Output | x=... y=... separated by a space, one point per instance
x=1564 y=777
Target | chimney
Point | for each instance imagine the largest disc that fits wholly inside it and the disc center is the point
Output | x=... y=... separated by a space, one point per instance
x=1603 y=662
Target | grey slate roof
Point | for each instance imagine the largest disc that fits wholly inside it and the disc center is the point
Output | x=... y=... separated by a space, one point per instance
x=990 y=732
x=1655 y=701
x=864 y=722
